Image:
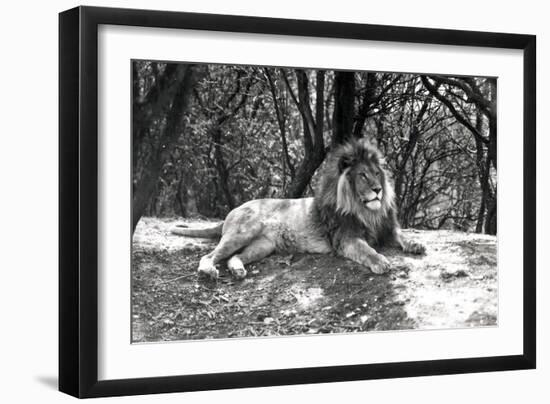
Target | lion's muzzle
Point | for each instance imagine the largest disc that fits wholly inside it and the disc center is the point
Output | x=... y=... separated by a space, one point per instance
x=372 y=199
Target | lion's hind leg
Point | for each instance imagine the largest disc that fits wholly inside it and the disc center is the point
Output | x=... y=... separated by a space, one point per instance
x=208 y=267
x=232 y=241
x=256 y=250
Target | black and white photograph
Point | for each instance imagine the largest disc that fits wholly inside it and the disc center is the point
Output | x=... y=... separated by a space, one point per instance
x=282 y=201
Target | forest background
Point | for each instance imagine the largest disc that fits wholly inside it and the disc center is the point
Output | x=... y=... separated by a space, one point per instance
x=207 y=138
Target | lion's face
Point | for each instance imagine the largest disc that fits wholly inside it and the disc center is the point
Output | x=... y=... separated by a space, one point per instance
x=367 y=180
x=356 y=183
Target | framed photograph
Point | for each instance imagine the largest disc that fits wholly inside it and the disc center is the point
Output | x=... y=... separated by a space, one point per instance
x=251 y=201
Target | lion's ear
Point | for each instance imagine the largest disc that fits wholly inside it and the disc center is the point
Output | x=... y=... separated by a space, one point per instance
x=344 y=163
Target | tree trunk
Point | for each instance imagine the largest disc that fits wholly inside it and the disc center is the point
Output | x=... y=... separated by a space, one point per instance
x=221 y=167
x=281 y=120
x=493 y=141
x=180 y=198
x=483 y=167
x=191 y=205
x=314 y=147
x=344 y=111
x=366 y=105
x=145 y=111
x=493 y=123
x=491 y=218
x=414 y=135
x=168 y=135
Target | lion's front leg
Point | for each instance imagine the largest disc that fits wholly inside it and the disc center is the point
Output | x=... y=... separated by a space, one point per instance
x=360 y=251
x=407 y=246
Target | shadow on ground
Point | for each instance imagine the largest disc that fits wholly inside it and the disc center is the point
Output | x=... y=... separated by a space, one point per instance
x=48 y=381
x=454 y=285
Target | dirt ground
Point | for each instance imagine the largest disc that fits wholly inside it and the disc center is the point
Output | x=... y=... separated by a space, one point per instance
x=454 y=285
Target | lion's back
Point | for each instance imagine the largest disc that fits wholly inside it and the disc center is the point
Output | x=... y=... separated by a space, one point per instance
x=287 y=222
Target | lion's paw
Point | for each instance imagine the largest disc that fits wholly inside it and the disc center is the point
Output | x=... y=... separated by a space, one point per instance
x=207 y=268
x=236 y=267
x=413 y=247
x=239 y=273
x=212 y=273
x=379 y=264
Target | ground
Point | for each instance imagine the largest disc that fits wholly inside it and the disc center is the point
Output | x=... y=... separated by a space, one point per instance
x=454 y=285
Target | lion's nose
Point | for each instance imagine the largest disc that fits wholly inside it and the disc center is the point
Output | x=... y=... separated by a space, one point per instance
x=377 y=190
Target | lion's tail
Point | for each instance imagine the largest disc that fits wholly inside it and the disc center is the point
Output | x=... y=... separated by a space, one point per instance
x=209 y=232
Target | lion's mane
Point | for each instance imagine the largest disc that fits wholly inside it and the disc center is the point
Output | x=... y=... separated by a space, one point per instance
x=339 y=212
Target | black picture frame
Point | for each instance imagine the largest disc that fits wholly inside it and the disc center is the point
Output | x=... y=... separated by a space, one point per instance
x=78 y=201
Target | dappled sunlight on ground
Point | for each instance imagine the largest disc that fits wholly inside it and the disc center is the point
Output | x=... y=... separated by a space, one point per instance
x=455 y=284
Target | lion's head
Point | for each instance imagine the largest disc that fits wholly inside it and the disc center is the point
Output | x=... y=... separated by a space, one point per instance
x=354 y=182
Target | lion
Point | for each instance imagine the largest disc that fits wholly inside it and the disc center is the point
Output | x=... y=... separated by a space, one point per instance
x=352 y=213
